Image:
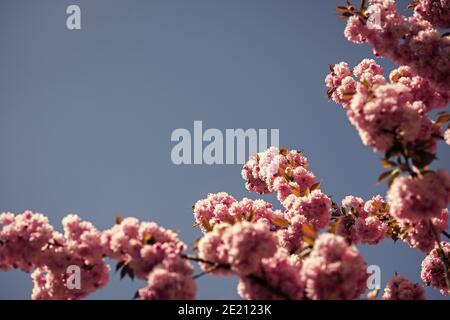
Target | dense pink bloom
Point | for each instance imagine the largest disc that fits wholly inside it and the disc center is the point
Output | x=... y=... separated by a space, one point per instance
x=213 y=209
x=437 y=12
x=247 y=244
x=278 y=168
x=433 y=269
x=334 y=270
x=369 y=230
x=408 y=41
x=377 y=205
x=23 y=238
x=171 y=280
x=80 y=247
x=142 y=245
x=420 y=88
x=241 y=245
x=420 y=234
x=421 y=197
x=315 y=207
x=389 y=109
x=340 y=83
x=363 y=221
x=400 y=288
x=280 y=273
x=211 y=248
x=355 y=203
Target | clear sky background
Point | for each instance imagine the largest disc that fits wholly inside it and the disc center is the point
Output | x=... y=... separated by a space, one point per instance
x=86 y=116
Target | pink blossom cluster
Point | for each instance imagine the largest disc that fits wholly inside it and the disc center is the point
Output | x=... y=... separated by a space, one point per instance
x=80 y=246
x=411 y=41
x=286 y=173
x=363 y=222
x=151 y=252
x=400 y=288
x=141 y=245
x=23 y=239
x=281 y=273
x=334 y=270
x=241 y=246
x=420 y=234
x=422 y=197
x=382 y=111
x=170 y=280
x=437 y=12
x=222 y=208
x=433 y=268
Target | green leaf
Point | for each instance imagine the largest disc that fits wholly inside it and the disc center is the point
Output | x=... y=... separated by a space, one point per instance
x=384 y=176
x=315 y=186
x=387 y=163
x=392 y=177
x=422 y=158
x=119 y=265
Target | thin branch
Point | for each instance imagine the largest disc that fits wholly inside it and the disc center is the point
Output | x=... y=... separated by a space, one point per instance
x=445 y=233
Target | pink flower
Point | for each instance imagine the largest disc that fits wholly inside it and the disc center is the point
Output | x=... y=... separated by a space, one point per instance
x=315 y=207
x=376 y=205
x=420 y=88
x=142 y=245
x=447 y=136
x=165 y=285
x=433 y=269
x=222 y=208
x=213 y=209
x=419 y=198
x=280 y=274
x=355 y=203
x=80 y=247
x=420 y=234
x=23 y=239
x=437 y=12
x=400 y=288
x=291 y=238
x=385 y=110
x=369 y=230
x=334 y=270
x=408 y=41
x=241 y=245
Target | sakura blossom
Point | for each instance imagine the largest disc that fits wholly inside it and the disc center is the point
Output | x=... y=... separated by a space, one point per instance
x=434 y=271
x=334 y=270
x=281 y=273
x=419 y=198
x=400 y=288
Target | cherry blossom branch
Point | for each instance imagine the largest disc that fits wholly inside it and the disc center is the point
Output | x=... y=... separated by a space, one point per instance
x=254 y=278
